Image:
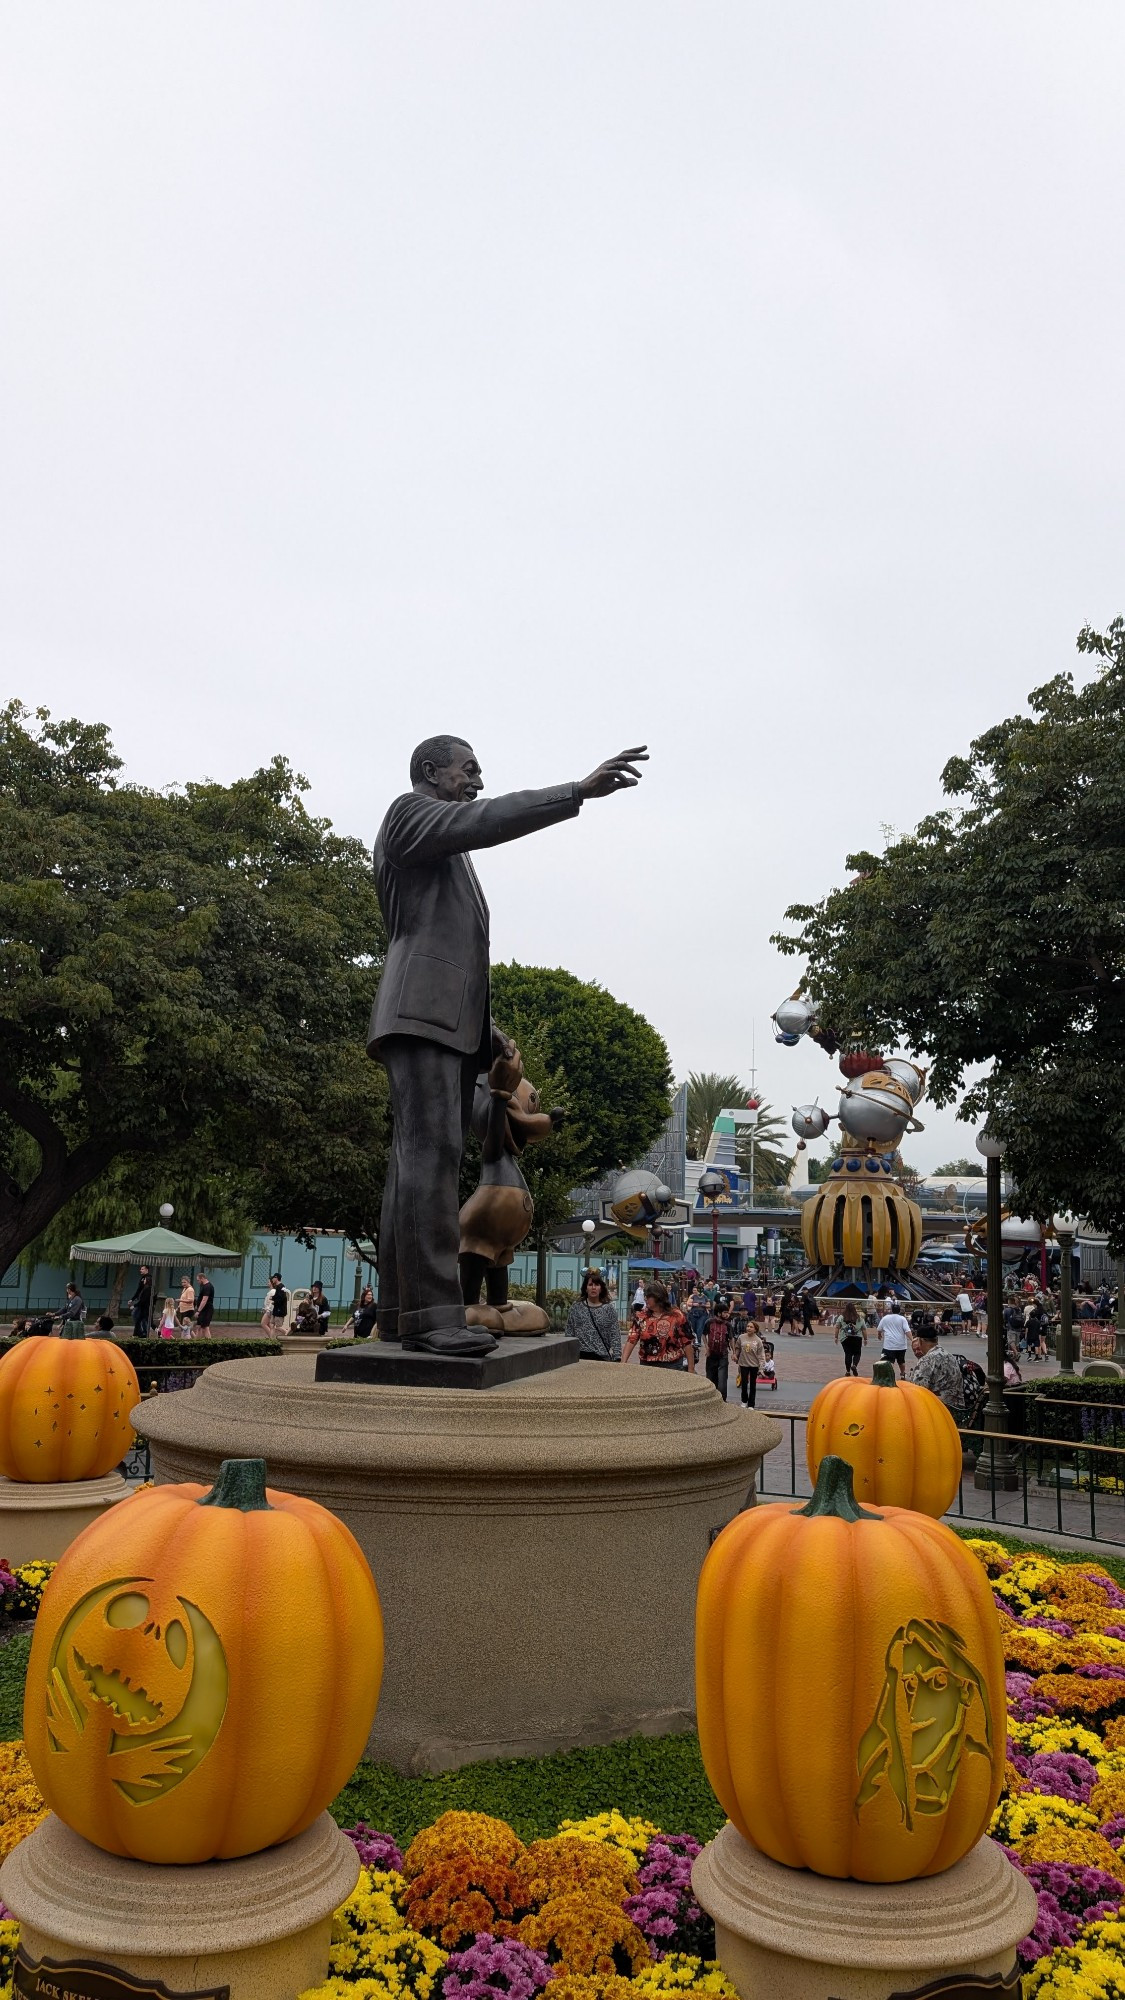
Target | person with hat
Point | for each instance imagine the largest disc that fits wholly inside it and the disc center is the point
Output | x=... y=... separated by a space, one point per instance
x=937 y=1370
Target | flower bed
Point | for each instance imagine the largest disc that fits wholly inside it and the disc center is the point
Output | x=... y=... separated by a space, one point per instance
x=1062 y=1814
x=602 y=1907
x=602 y=1910
x=22 y=1588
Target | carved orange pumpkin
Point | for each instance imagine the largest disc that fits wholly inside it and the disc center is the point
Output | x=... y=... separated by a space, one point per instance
x=65 y=1409
x=900 y=1440
x=850 y=1686
x=204 y=1671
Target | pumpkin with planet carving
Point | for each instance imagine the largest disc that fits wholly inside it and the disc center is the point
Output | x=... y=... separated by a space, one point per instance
x=65 y=1409
x=204 y=1671
x=900 y=1440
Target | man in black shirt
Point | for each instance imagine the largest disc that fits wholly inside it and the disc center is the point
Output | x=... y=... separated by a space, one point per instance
x=141 y=1304
x=205 y=1303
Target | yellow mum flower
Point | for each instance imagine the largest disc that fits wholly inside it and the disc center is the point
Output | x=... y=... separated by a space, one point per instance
x=632 y=1836
x=680 y=1974
x=1016 y=1819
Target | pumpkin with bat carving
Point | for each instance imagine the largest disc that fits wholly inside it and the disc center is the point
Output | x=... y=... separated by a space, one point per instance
x=205 y=1670
x=65 y=1409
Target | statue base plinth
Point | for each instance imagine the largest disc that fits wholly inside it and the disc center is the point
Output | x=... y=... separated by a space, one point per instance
x=786 y=1934
x=39 y=1522
x=537 y=1547
x=384 y=1363
x=260 y=1926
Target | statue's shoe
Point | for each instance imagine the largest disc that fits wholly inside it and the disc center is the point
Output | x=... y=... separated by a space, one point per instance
x=486 y=1316
x=463 y=1341
x=523 y=1317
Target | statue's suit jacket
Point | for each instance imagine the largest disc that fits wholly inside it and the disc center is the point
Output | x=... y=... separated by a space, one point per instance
x=435 y=980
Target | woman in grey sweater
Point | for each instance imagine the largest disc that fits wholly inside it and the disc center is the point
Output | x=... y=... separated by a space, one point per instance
x=592 y=1321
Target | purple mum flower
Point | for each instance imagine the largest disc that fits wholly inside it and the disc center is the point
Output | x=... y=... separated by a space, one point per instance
x=1115 y=1596
x=1063 y=1774
x=493 y=1968
x=1069 y=1897
x=664 y=1909
x=375 y=1850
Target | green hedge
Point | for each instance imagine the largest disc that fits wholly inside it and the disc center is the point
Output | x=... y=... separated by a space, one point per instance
x=179 y=1353
x=1044 y=1419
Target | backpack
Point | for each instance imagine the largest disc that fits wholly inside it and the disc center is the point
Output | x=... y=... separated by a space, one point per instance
x=718 y=1333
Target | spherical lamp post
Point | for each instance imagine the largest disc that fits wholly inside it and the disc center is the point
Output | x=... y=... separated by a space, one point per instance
x=588 y=1229
x=997 y=1467
x=166 y=1213
x=713 y=1186
x=1066 y=1228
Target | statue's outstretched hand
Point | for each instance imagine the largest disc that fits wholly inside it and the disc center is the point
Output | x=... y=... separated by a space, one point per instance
x=617 y=774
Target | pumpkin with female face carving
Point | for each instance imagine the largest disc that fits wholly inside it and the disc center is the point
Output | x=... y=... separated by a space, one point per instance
x=872 y=1642
x=65 y=1409
x=204 y=1672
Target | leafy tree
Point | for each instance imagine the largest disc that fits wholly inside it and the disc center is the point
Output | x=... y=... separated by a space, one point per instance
x=614 y=1064
x=210 y=1201
x=959 y=1170
x=995 y=934
x=184 y=978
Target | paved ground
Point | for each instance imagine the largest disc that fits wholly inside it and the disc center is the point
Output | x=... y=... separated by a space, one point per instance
x=1036 y=1505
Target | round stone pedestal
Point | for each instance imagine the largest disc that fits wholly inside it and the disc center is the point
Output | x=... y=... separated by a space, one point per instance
x=536 y=1546
x=785 y=1934
x=42 y=1520
x=261 y=1926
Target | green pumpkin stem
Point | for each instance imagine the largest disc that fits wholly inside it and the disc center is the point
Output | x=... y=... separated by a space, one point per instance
x=835 y=1494
x=884 y=1374
x=241 y=1483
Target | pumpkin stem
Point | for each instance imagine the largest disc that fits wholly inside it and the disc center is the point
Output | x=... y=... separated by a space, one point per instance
x=835 y=1494
x=241 y=1483
x=884 y=1374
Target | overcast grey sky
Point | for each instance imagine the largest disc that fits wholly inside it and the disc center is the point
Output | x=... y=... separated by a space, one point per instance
x=743 y=378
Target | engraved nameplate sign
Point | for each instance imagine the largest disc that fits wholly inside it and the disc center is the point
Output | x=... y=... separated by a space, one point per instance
x=85 y=1979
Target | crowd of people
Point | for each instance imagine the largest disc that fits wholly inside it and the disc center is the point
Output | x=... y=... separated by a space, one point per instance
x=729 y=1330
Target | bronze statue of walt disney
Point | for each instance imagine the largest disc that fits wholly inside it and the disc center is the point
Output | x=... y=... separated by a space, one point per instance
x=431 y=1025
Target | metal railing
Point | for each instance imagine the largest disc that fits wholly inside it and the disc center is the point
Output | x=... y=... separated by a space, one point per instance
x=1060 y=1486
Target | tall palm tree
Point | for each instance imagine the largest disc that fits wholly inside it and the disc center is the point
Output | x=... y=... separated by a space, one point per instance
x=771 y=1165
x=708 y=1093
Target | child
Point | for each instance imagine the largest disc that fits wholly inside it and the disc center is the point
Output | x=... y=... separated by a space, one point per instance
x=167 y=1328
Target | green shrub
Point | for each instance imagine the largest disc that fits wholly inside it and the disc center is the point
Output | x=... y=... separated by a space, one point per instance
x=179 y=1353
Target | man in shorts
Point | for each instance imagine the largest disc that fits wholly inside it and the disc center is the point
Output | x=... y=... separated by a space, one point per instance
x=894 y=1332
x=205 y=1307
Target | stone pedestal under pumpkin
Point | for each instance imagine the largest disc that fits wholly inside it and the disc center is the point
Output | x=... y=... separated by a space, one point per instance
x=38 y=1521
x=786 y=1934
x=260 y=1925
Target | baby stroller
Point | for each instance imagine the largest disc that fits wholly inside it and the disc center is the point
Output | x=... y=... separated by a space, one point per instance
x=768 y=1377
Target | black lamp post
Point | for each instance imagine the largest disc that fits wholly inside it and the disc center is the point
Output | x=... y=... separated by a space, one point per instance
x=995 y=1466
x=713 y=1186
x=1066 y=1227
